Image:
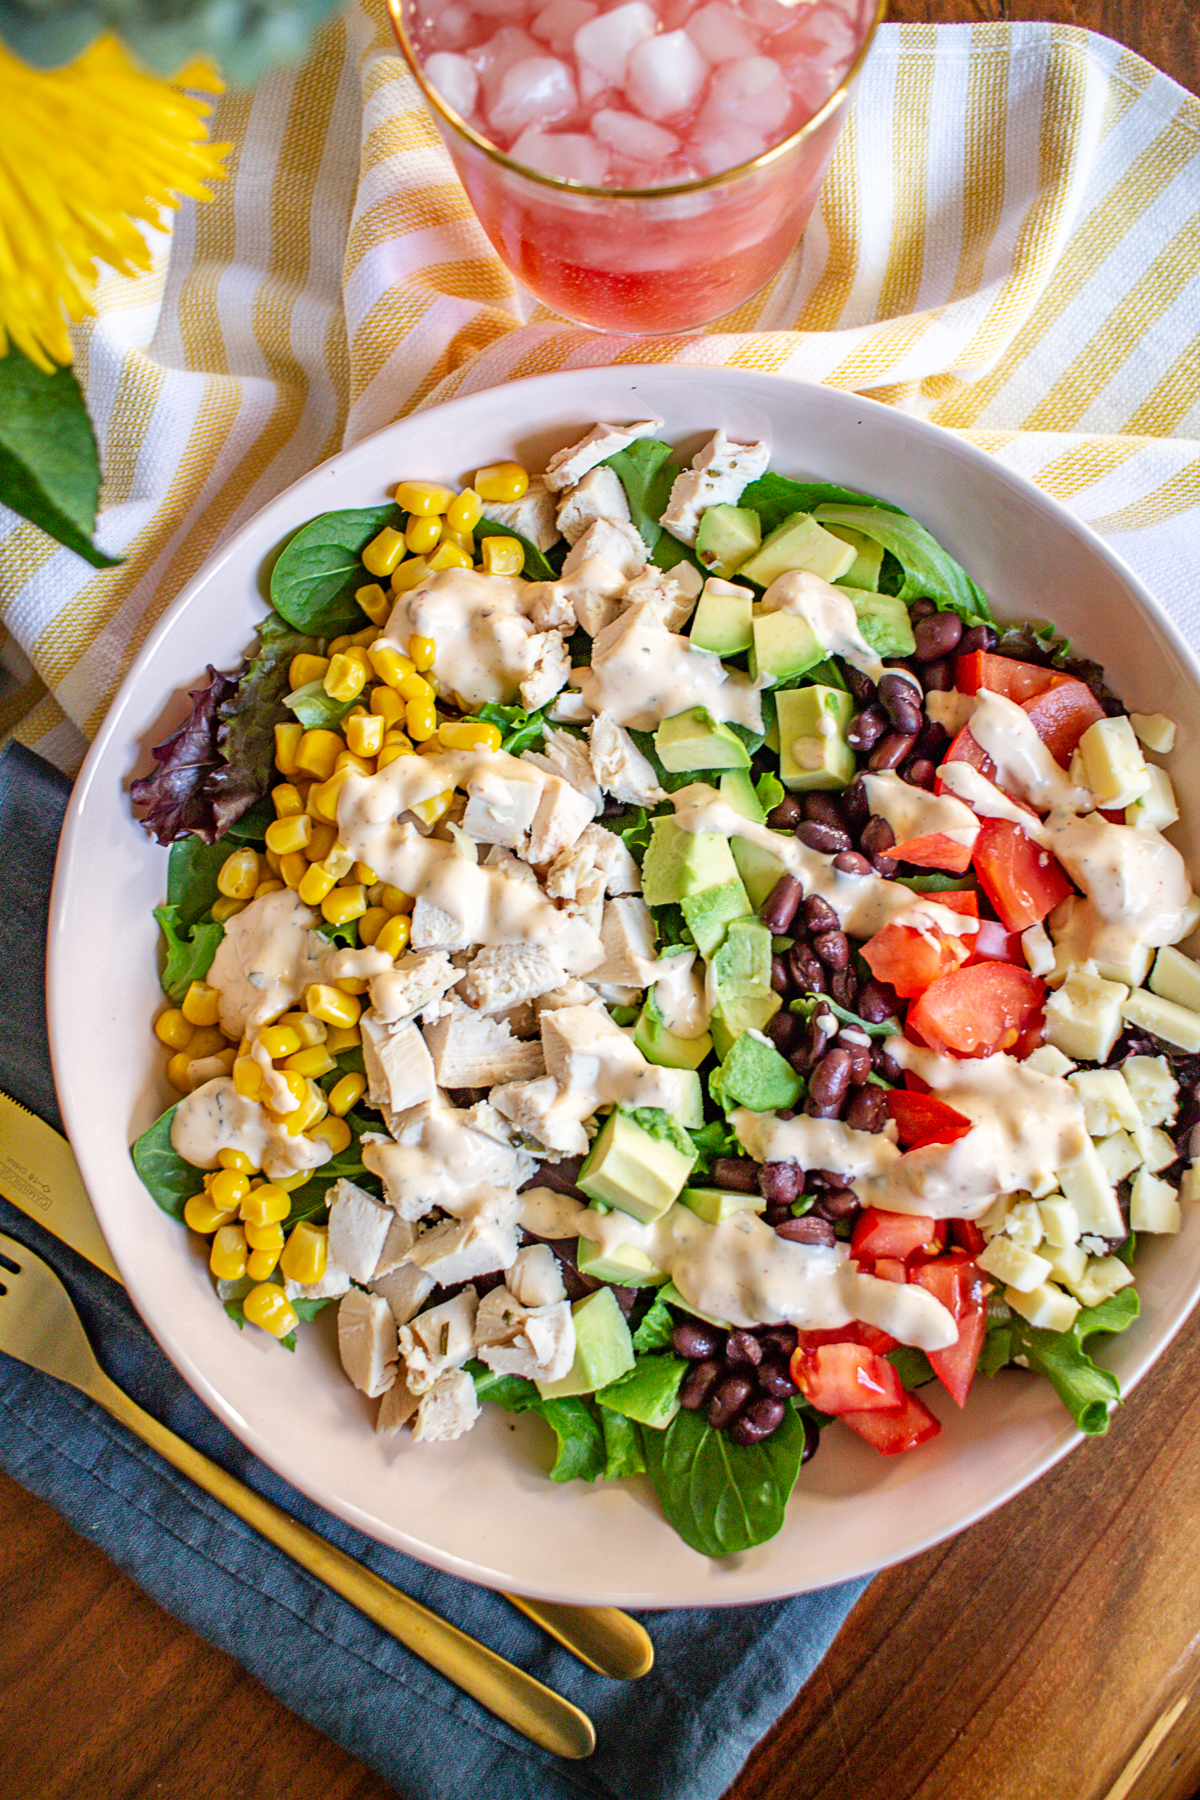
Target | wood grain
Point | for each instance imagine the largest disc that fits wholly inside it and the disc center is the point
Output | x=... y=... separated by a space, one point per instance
x=1049 y=1653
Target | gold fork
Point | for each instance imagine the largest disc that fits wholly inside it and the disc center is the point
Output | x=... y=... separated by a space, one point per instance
x=39 y=1326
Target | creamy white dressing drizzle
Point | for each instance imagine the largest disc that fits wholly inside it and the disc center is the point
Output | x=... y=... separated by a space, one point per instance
x=1136 y=883
x=1024 y=766
x=829 y=613
x=443 y=1161
x=480 y=626
x=815 y=1143
x=913 y=812
x=680 y=991
x=267 y=957
x=984 y=798
x=216 y=1117
x=641 y=675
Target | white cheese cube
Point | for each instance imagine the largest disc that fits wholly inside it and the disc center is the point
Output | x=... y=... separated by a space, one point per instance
x=1189 y=1187
x=1060 y=1222
x=1119 y=1155
x=1045 y=1307
x=1103 y=1277
x=1114 y=767
x=1155 y=730
x=1038 y=950
x=1019 y=1269
x=1091 y=1193
x=1108 y=1105
x=993 y=1220
x=1157 y=807
x=1165 y=1018
x=1154 y=1088
x=1176 y=977
x=1083 y=1019
x=1155 y=1148
x=1024 y=1225
x=1067 y=1262
x=1153 y=1204
x=1046 y=1060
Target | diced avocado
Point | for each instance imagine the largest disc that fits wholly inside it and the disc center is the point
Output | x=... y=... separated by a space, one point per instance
x=812 y=731
x=624 y=1263
x=799 y=543
x=679 y=862
x=868 y=557
x=712 y=909
x=671 y=1294
x=751 y=1012
x=740 y=971
x=603 y=1348
x=756 y=1076
x=649 y=1393
x=658 y=1045
x=758 y=869
x=721 y=621
x=737 y=790
x=727 y=536
x=691 y=1100
x=632 y=1170
x=715 y=1205
x=785 y=645
x=884 y=622
x=695 y=740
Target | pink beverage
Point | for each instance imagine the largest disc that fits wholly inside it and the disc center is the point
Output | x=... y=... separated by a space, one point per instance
x=642 y=166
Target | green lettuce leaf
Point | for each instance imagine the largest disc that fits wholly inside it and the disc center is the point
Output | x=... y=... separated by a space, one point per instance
x=315 y=709
x=1085 y=1389
x=654 y=1332
x=246 y=721
x=581 y=1453
x=622 y=1446
x=171 y=1181
x=713 y=1140
x=722 y=1497
x=188 y=955
x=642 y=468
x=928 y=569
x=519 y=730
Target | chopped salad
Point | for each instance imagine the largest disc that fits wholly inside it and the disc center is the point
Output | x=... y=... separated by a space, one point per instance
x=649 y=948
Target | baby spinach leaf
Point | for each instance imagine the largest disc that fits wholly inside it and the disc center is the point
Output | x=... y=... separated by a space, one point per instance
x=713 y=1140
x=928 y=569
x=537 y=567
x=723 y=1497
x=912 y=1365
x=315 y=577
x=519 y=730
x=188 y=954
x=776 y=497
x=622 y=1446
x=315 y=709
x=310 y=1198
x=192 y=869
x=654 y=1332
x=581 y=1452
x=171 y=1181
x=647 y=481
x=251 y=828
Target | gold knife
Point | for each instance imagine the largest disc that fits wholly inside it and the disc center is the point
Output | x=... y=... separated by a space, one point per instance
x=39 y=1174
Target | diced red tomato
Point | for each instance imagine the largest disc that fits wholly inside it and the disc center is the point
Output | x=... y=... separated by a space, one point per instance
x=993 y=943
x=936 y=851
x=910 y=960
x=1022 y=881
x=966 y=1234
x=924 y=1119
x=890 y=1268
x=965 y=749
x=845 y=1377
x=981 y=1009
x=1062 y=714
x=910 y=1424
x=857 y=1332
x=1001 y=675
x=959 y=1285
x=891 y=1234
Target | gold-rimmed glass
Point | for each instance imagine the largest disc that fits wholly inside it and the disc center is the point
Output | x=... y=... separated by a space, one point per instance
x=645 y=261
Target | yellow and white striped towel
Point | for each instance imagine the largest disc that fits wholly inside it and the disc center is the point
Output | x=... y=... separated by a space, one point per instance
x=1008 y=241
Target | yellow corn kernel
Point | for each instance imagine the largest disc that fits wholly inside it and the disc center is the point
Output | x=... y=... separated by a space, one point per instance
x=306 y=1252
x=468 y=734
x=288 y=1182
x=262 y=1264
x=268 y=1307
x=269 y=886
x=352 y=984
x=207 y=1040
x=387 y=704
x=383 y=552
x=395 y=900
x=435 y=808
x=274 y=863
x=316 y=884
x=465 y=510
x=501 y=483
x=287 y=740
x=334 y=1132
x=330 y=1004
x=309 y=1030
x=393 y=938
x=390 y=754
x=502 y=556
x=279 y=1041
x=365 y=873
x=415 y=687
x=423 y=497
x=313 y=1062
x=228 y=1189
x=227 y=1258
x=249 y=1079
x=347 y=1093
x=287 y=800
x=201 y=1214
x=325 y=796
x=336 y=645
x=337 y=861
x=237 y=1160
x=422 y=533
x=371 y=923
x=323 y=838
x=317 y=752
x=173 y=1029
x=305 y=668
x=409 y=575
x=342 y=1037
x=389 y=665
x=267 y=1204
x=423 y=651
x=374 y=602
x=288 y=834
x=449 y=556
x=358 y=765
x=238 y=875
x=201 y=1005
x=293 y=868
x=420 y=716
x=344 y=904
x=346 y=676
x=396 y=737
x=264 y=1237
x=179 y=1071
x=364 y=734
x=224 y=908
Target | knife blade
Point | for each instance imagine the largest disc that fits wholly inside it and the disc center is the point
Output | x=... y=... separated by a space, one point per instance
x=39 y=1174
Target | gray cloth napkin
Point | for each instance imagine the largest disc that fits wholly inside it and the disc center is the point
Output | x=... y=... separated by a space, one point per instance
x=721 y=1677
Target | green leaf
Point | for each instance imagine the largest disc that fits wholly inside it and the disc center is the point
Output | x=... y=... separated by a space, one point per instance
x=937 y=881
x=519 y=730
x=912 y=1365
x=713 y=1140
x=723 y=1497
x=659 y=1124
x=654 y=1332
x=246 y=722
x=171 y=1181
x=635 y=833
x=188 y=955
x=622 y=1446
x=309 y=1198
x=807 y=1005
x=647 y=481
x=580 y=1454
x=315 y=709
x=1085 y=1389
x=649 y=1392
x=776 y=497
x=536 y=568
x=316 y=575
x=928 y=569
x=770 y=791
x=192 y=870
x=49 y=466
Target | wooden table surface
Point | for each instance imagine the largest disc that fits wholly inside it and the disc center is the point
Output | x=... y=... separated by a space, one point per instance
x=1050 y=1653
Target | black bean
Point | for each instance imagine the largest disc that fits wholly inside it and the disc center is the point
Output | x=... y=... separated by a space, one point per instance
x=876 y=837
x=866 y=728
x=731 y=1394
x=828 y=1083
x=695 y=1341
x=860 y=685
x=920 y=772
x=782 y=1337
x=838 y=1203
x=825 y=808
x=937 y=635
x=785 y=1030
x=867 y=1109
x=788 y=813
x=891 y=751
x=833 y=948
x=938 y=677
x=901 y=701
x=877 y=1001
x=859 y=1049
x=809 y=1230
x=843 y=985
x=858 y=807
x=757 y=1422
x=812 y=1438
x=736 y=1174
x=775 y=1212
x=979 y=637
x=559 y=1176
x=886 y=1065
x=742 y=1347
x=806 y=970
x=781 y=905
x=774 y=1379
x=819 y=915
x=933 y=741
x=698 y=1385
x=779 y=1182
x=922 y=608
x=781 y=981
x=851 y=862
x=828 y=839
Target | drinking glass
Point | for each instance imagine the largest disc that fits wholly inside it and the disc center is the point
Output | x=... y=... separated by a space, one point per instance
x=645 y=261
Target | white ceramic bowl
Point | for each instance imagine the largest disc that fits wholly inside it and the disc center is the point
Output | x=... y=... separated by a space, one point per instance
x=482 y=1507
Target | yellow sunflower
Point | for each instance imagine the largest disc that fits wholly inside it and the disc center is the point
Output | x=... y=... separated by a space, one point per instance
x=86 y=152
